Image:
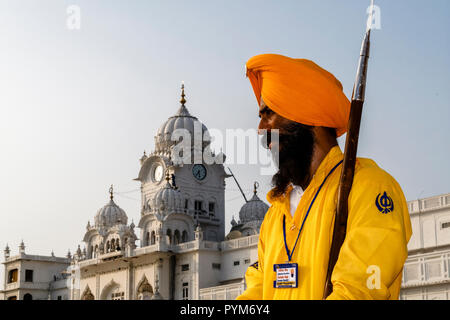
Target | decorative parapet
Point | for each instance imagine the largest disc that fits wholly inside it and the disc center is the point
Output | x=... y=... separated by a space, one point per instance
x=24 y=256
x=239 y=243
x=224 y=292
x=426 y=269
x=429 y=204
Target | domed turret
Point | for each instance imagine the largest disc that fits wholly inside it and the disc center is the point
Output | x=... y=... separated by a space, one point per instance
x=181 y=120
x=110 y=215
x=255 y=209
x=168 y=200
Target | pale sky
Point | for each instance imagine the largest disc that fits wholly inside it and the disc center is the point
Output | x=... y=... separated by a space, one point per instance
x=78 y=107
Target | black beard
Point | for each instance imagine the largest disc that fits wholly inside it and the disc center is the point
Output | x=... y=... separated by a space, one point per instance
x=295 y=154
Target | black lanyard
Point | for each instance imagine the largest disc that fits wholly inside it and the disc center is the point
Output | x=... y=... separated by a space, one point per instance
x=289 y=254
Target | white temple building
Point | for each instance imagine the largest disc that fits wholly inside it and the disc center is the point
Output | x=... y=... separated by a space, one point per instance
x=179 y=249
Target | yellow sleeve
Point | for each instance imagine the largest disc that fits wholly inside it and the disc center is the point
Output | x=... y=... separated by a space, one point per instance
x=254 y=274
x=371 y=259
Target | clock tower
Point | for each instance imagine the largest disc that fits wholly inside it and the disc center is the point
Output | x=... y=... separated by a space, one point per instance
x=178 y=196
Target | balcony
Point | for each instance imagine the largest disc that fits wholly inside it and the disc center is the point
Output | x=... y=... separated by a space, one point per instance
x=428 y=269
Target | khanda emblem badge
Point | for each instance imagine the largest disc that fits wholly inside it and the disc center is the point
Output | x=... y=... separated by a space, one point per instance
x=384 y=203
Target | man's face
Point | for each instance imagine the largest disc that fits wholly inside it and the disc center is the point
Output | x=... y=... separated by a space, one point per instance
x=271 y=120
x=295 y=148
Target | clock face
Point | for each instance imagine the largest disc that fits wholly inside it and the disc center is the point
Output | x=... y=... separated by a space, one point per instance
x=199 y=171
x=158 y=173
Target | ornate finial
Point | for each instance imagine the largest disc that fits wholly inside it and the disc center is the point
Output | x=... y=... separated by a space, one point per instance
x=22 y=247
x=143 y=158
x=111 y=191
x=183 y=100
x=174 y=185
x=53 y=254
x=167 y=176
x=6 y=251
x=255 y=187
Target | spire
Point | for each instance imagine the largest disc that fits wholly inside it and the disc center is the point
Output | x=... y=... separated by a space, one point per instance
x=183 y=100
x=255 y=187
x=78 y=252
x=168 y=185
x=111 y=191
x=143 y=158
x=22 y=247
x=7 y=251
x=69 y=255
x=182 y=111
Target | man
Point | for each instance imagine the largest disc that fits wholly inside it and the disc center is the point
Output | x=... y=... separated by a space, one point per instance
x=308 y=107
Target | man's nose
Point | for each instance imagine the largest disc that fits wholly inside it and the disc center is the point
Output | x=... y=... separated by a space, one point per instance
x=262 y=127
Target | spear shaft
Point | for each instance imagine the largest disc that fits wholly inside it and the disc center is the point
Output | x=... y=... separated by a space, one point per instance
x=348 y=166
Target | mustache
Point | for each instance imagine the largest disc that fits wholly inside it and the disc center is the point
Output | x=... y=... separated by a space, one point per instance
x=274 y=135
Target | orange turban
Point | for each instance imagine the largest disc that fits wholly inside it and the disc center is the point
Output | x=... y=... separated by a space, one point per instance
x=299 y=90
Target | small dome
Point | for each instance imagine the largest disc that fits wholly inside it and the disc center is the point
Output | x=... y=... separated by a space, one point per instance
x=168 y=200
x=181 y=120
x=110 y=215
x=254 y=209
x=234 y=235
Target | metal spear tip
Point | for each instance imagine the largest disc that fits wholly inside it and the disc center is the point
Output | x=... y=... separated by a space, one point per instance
x=370 y=18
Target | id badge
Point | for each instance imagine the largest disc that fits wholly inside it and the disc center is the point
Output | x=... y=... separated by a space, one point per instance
x=286 y=275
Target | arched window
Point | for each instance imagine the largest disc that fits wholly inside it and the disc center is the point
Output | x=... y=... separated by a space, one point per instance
x=169 y=236
x=184 y=236
x=91 y=252
x=147 y=239
x=176 y=237
x=107 y=246
x=145 y=290
x=153 y=238
x=87 y=294
x=118 y=248
x=12 y=275
x=27 y=296
x=96 y=251
x=113 y=245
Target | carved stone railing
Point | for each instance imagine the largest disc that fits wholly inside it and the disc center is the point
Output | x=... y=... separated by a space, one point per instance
x=224 y=292
x=427 y=204
x=426 y=269
x=240 y=243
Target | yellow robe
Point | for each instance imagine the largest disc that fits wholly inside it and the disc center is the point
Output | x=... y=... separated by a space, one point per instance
x=371 y=259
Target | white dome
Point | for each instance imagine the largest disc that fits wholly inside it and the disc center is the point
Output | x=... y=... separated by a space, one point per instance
x=168 y=200
x=254 y=209
x=110 y=215
x=181 y=120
